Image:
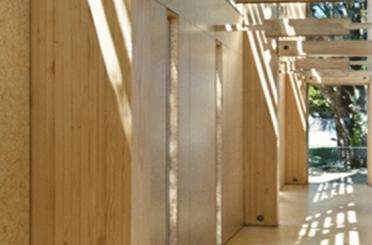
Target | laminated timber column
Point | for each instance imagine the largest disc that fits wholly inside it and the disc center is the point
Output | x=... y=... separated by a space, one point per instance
x=259 y=147
x=295 y=144
x=81 y=70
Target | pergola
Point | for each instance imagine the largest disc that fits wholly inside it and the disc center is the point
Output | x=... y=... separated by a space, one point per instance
x=300 y=59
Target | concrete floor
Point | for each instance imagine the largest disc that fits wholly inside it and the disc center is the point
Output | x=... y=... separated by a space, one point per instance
x=337 y=212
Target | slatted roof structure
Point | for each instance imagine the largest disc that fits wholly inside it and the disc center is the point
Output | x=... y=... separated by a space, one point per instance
x=318 y=61
x=306 y=50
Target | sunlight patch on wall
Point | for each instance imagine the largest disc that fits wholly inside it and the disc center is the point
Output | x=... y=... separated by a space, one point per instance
x=125 y=25
x=299 y=104
x=172 y=130
x=112 y=65
x=268 y=87
x=219 y=99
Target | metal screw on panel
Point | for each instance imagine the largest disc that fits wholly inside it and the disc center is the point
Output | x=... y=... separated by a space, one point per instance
x=260 y=218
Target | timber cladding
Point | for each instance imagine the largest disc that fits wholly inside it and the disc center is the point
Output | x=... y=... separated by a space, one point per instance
x=296 y=168
x=260 y=150
x=80 y=154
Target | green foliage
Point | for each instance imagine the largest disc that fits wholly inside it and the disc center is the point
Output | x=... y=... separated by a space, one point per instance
x=358 y=130
x=319 y=107
x=354 y=100
x=331 y=157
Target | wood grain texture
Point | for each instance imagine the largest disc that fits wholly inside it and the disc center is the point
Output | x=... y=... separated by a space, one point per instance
x=307 y=27
x=197 y=133
x=339 y=78
x=149 y=110
x=14 y=121
x=197 y=199
x=325 y=48
x=281 y=120
x=232 y=141
x=296 y=168
x=80 y=154
x=317 y=63
x=185 y=175
x=260 y=150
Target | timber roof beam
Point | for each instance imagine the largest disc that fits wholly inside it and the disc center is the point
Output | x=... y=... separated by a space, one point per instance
x=325 y=48
x=300 y=27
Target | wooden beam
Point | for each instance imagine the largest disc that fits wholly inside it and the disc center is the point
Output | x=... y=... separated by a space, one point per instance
x=306 y=27
x=352 y=78
x=299 y=27
x=315 y=63
x=285 y=1
x=325 y=48
x=233 y=27
x=356 y=26
x=324 y=73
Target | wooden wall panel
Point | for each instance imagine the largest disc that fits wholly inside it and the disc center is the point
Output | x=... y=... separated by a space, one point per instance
x=149 y=107
x=197 y=125
x=202 y=140
x=260 y=149
x=232 y=141
x=14 y=121
x=192 y=75
x=197 y=122
x=204 y=14
x=296 y=168
x=80 y=153
x=185 y=175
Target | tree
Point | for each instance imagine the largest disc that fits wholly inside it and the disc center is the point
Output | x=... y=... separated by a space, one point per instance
x=347 y=104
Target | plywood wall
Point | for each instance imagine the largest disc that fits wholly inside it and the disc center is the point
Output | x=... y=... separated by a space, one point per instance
x=232 y=140
x=86 y=186
x=198 y=163
x=197 y=125
x=296 y=168
x=80 y=153
x=14 y=121
x=149 y=120
x=260 y=147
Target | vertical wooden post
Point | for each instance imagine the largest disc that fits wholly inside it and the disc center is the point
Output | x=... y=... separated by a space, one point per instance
x=281 y=121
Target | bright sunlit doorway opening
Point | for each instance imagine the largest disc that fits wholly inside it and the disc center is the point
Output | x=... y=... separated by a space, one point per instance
x=337 y=133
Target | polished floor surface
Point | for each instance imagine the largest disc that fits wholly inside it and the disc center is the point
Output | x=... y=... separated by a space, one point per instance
x=336 y=212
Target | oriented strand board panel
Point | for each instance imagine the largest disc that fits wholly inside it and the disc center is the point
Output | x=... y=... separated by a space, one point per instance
x=232 y=141
x=260 y=150
x=14 y=121
x=296 y=168
x=80 y=153
x=149 y=120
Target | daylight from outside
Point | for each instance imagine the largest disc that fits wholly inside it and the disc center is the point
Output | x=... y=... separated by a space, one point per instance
x=337 y=136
